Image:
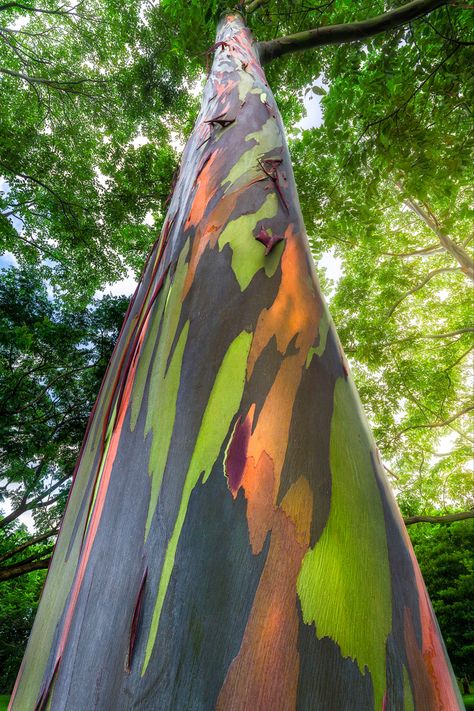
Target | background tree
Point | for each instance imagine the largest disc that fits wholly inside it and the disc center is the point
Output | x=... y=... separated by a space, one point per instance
x=18 y=603
x=388 y=178
x=77 y=186
x=52 y=360
x=445 y=554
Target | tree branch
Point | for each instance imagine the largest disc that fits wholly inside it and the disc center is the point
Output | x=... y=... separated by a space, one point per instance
x=444 y=423
x=65 y=205
x=348 y=32
x=27 y=544
x=447 y=518
x=458 y=360
x=459 y=332
x=416 y=337
x=30 y=505
x=35 y=556
x=30 y=8
x=426 y=250
x=67 y=85
x=252 y=6
x=419 y=286
x=455 y=250
x=48 y=386
x=40 y=248
x=389 y=471
x=14 y=571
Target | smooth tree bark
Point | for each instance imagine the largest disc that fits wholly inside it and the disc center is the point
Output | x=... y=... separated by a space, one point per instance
x=230 y=540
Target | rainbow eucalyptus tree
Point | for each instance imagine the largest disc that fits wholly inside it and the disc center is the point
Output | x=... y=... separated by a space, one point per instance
x=230 y=541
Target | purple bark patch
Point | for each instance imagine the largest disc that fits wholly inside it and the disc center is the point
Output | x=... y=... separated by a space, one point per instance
x=236 y=456
x=268 y=240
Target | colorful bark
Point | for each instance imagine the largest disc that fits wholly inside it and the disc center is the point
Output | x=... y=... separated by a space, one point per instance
x=228 y=458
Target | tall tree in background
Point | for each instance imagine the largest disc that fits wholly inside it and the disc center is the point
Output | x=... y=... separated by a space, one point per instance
x=230 y=540
x=52 y=360
x=446 y=555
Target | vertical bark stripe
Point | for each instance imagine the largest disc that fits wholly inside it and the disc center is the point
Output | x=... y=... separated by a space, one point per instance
x=221 y=408
x=344 y=584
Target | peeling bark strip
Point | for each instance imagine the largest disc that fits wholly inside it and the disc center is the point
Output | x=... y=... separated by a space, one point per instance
x=46 y=690
x=135 y=620
x=269 y=241
x=227 y=456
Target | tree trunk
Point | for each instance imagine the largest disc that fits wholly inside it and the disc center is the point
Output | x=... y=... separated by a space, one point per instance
x=230 y=540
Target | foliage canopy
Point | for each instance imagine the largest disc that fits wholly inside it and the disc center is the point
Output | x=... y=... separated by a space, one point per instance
x=52 y=360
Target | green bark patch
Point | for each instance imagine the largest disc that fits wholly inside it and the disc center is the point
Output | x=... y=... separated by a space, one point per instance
x=248 y=255
x=164 y=424
x=146 y=356
x=318 y=350
x=222 y=405
x=407 y=695
x=248 y=167
x=344 y=582
x=164 y=381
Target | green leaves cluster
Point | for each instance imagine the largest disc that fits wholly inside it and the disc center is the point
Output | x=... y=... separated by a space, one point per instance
x=18 y=604
x=95 y=98
x=79 y=84
x=386 y=187
x=87 y=155
x=445 y=554
x=52 y=360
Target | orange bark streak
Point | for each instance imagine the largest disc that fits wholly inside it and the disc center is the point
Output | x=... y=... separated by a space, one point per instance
x=293 y=316
x=271 y=432
x=258 y=483
x=298 y=507
x=295 y=312
x=207 y=184
x=208 y=230
x=264 y=675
